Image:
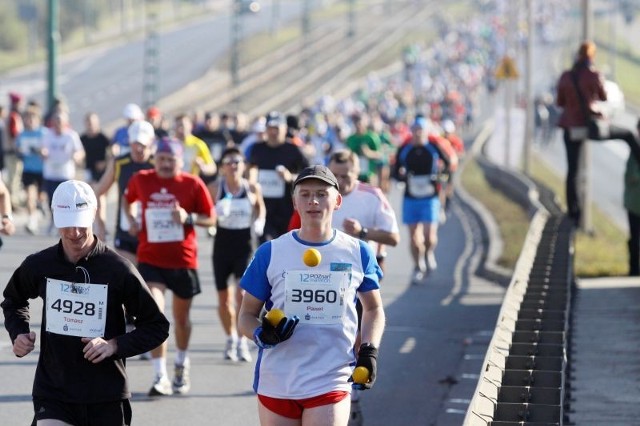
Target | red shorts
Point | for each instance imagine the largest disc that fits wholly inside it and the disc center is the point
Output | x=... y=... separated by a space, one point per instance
x=292 y=408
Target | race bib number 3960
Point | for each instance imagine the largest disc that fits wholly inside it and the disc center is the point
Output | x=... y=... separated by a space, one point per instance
x=316 y=298
x=76 y=309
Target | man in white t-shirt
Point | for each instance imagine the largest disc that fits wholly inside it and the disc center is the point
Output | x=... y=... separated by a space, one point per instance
x=376 y=223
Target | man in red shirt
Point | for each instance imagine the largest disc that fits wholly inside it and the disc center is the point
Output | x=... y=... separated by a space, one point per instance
x=173 y=202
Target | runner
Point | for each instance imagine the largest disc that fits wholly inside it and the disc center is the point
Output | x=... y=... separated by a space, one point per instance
x=239 y=209
x=273 y=164
x=318 y=347
x=85 y=287
x=141 y=137
x=417 y=165
x=173 y=203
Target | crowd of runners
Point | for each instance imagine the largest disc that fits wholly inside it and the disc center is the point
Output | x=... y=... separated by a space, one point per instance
x=270 y=183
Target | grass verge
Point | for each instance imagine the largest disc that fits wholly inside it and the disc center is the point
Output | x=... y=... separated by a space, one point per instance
x=601 y=253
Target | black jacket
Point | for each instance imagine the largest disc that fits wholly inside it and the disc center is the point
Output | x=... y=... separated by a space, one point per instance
x=62 y=372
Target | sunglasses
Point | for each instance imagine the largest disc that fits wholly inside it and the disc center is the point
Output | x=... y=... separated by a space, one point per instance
x=235 y=161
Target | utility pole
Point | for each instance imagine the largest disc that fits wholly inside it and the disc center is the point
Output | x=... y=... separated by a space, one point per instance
x=585 y=160
x=53 y=38
x=529 y=110
x=151 y=66
x=235 y=42
x=351 y=17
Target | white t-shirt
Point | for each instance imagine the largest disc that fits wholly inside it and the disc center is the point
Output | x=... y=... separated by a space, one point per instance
x=369 y=206
x=319 y=356
x=59 y=165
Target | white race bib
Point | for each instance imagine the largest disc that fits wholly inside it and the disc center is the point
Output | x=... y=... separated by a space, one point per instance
x=76 y=309
x=272 y=183
x=316 y=297
x=160 y=226
x=420 y=186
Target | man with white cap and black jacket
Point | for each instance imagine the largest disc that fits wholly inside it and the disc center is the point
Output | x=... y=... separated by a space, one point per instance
x=86 y=287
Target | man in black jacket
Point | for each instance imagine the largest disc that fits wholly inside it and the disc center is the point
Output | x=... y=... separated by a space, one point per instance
x=86 y=288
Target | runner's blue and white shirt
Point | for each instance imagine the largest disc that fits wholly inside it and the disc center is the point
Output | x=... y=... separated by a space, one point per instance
x=319 y=356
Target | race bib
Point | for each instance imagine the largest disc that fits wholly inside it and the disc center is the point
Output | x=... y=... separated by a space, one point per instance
x=272 y=183
x=160 y=226
x=420 y=186
x=76 y=309
x=316 y=297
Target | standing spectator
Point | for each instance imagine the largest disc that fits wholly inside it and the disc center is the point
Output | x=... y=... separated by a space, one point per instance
x=120 y=170
x=579 y=89
x=29 y=145
x=120 y=142
x=632 y=205
x=273 y=164
x=417 y=164
x=173 y=203
x=239 y=209
x=62 y=152
x=12 y=162
x=96 y=146
x=81 y=376
x=316 y=337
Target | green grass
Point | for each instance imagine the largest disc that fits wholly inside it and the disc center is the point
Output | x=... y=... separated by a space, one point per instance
x=600 y=253
x=511 y=218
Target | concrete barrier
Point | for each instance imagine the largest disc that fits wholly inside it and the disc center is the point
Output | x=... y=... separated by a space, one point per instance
x=523 y=376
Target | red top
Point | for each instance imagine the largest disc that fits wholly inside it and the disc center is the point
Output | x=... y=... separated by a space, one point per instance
x=190 y=193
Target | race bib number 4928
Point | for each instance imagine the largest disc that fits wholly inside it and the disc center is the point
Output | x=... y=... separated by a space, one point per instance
x=76 y=309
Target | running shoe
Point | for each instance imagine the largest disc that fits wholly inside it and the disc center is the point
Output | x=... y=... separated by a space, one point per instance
x=231 y=350
x=432 y=265
x=243 y=351
x=418 y=276
x=181 y=383
x=161 y=386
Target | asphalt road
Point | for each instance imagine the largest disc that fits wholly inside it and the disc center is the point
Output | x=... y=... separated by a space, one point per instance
x=428 y=338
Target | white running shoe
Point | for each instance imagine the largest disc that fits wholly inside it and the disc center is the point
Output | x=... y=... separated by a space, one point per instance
x=432 y=265
x=181 y=382
x=244 y=354
x=418 y=276
x=161 y=387
x=231 y=350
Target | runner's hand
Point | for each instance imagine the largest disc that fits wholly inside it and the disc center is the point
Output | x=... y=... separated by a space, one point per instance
x=367 y=357
x=24 y=344
x=267 y=336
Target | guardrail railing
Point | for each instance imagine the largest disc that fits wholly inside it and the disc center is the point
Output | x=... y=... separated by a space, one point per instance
x=525 y=370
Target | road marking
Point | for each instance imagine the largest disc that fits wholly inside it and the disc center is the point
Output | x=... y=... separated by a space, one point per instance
x=408 y=345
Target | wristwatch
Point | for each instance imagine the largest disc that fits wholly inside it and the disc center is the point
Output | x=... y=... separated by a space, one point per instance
x=7 y=216
x=363 y=234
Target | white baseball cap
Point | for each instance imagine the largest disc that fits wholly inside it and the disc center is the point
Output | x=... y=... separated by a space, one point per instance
x=74 y=204
x=132 y=112
x=141 y=132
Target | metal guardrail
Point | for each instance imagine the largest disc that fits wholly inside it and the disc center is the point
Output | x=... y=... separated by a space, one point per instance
x=524 y=373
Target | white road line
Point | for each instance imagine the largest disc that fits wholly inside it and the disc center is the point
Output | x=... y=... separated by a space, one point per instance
x=408 y=345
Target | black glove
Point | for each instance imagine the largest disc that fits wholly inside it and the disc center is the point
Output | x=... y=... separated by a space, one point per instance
x=267 y=336
x=367 y=357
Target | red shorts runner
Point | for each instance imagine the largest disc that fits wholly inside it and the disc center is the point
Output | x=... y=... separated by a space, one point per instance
x=292 y=408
